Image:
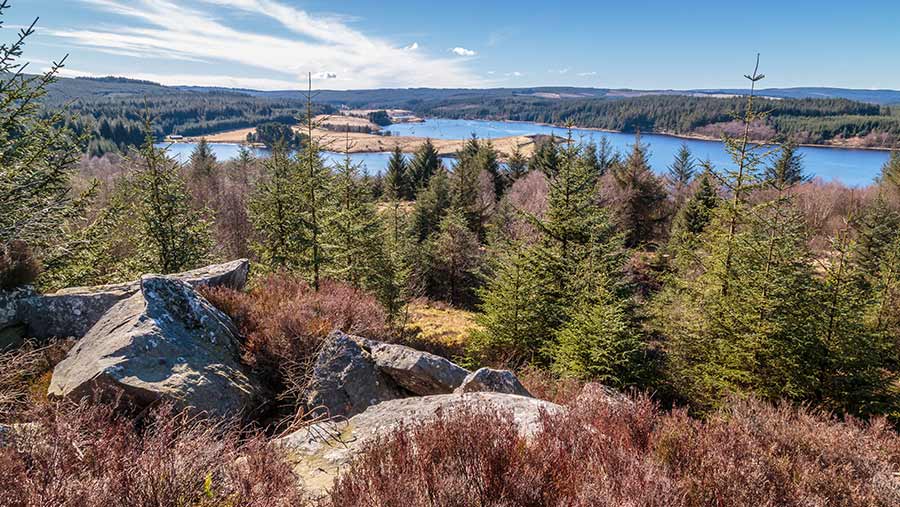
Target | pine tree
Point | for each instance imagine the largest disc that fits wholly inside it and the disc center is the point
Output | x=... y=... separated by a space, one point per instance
x=178 y=236
x=680 y=174
x=397 y=186
x=425 y=163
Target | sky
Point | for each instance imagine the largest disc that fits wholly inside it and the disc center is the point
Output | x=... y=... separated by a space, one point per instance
x=353 y=44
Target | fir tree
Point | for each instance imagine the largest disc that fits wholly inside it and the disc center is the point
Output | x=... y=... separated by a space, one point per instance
x=546 y=157
x=890 y=174
x=275 y=213
x=203 y=161
x=466 y=189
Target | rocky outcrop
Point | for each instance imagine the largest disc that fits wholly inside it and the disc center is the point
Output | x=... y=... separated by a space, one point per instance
x=164 y=342
x=346 y=380
x=73 y=312
x=12 y=315
x=419 y=372
x=320 y=452
x=493 y=381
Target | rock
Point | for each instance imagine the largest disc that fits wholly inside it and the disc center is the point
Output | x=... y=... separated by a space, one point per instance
x=320 y=452
x=73 y=312
x=164 y=343
x=345 y=380
x=12 y=316
x=594 y=393
x=492 y=381
x=419 y=372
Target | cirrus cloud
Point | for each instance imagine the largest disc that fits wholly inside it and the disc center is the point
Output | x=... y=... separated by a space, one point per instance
x=197 y=31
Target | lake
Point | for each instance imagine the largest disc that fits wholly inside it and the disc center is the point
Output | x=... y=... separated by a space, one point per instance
x=853 y=167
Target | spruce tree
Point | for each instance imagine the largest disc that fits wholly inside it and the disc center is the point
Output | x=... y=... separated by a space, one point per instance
x=275 y=213
x=397 y=185
x=516 y=166
x=354 y=229
x=546 y=157
x=203 y=161
x=37 y=160
x=680 y=174
x=466 y=189
x=890 y=174
x=177 y=236
x=432 y=204
x=488 y=161
x=639 y=199
x=787 y=168
x=455 y=253
x=424 y=164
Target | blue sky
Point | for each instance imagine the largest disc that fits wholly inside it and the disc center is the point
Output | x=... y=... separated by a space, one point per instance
x=272 y=44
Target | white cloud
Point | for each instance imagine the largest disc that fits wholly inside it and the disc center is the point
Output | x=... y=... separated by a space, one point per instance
x=584 y=74
x=412 y=47
x=514 y=74
x=194 y=30
x=458 y=51
x=558 y=71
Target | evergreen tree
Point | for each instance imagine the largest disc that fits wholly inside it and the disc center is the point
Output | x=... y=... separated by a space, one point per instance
x=37 y=159
x=425 y=163
x=890 y=174
x=639 y=200
x=455 y=251
x=177 y=236
x=787 y=169
x=692 y=220
x=680 y=174
x=466 y=192
x=431 y=205
x=275 y=213
x=203 y=162
x=355 y=232
x=546 y=157
x=516 y=167
x=397 y=186
x=488 y=161
x=515 y=318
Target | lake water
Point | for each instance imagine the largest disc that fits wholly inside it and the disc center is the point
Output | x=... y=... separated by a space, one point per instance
x=853 y=167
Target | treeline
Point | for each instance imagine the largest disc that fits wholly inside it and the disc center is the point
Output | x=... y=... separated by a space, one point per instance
x=813 y=120
x=114 y=124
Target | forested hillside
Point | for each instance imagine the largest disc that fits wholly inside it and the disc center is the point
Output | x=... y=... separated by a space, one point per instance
x=112 y=110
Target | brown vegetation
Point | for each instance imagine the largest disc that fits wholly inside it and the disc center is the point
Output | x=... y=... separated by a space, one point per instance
x=619 y=452
x=87 y=456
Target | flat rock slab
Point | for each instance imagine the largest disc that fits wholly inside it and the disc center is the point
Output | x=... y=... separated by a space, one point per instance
x=73 y=312
x=319 y=453
x=164 y=343
x=419 y=372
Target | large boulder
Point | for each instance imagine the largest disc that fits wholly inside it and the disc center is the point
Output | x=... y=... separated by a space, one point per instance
x=73 y=312
x=345 y=380
x=419 y=372
x=321 y=451
x=164 y=343
x=493 y=381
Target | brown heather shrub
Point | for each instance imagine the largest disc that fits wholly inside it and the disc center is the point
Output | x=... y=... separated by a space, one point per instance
x=17 y=265
x=284 y=323
x=25 y=376
x=86 y=456
x=629 y=452
x=545 y=385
